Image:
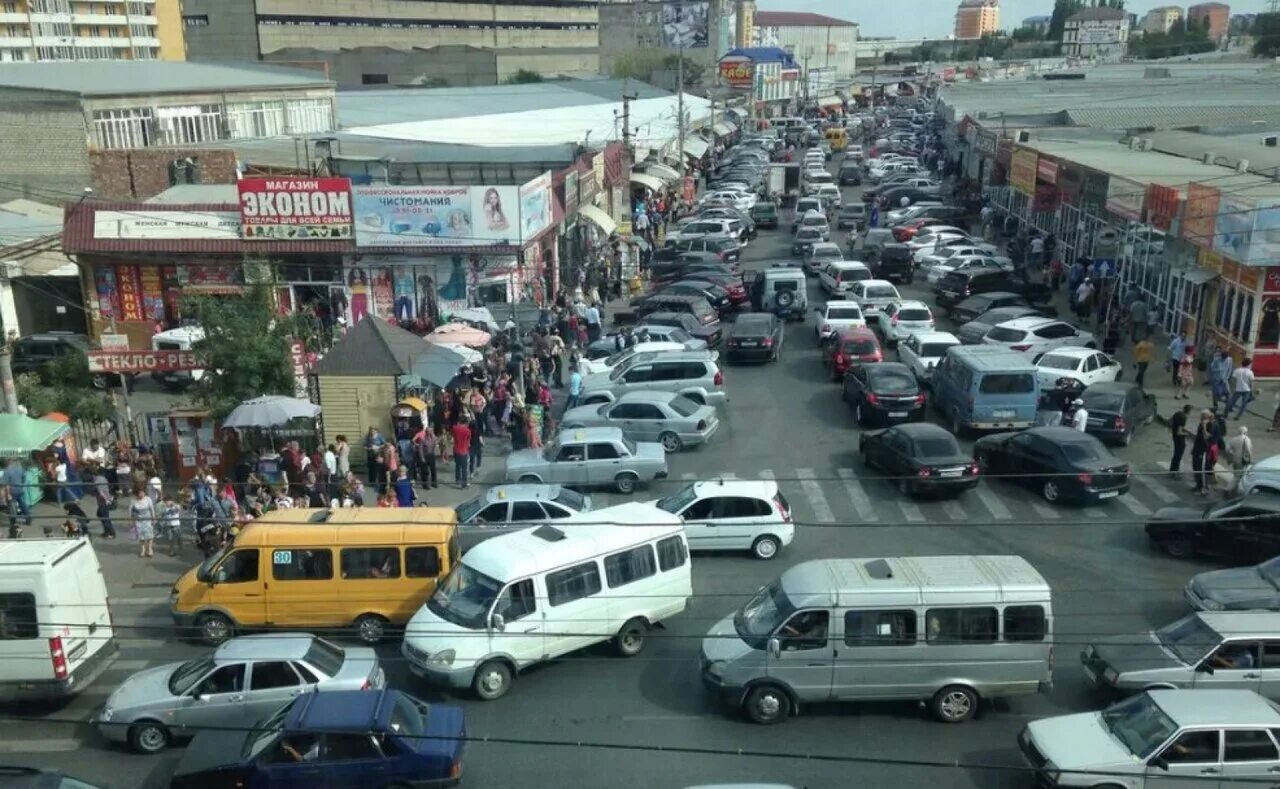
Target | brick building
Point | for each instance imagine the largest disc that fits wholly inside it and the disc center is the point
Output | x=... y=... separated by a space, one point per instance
x=977 y=18
x=1214 y=16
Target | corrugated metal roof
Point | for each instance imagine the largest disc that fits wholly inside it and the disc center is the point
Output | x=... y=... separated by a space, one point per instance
x=78 y=236
x=1168 y=117
x=373 y=347
x=135 y=77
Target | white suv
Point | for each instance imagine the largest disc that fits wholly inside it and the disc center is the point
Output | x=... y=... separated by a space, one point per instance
x=923 y=350
x=838 y=276
x=873 y=295
x=1037 y=335
x=733 y=516
x=901 y=319
x=836 y=316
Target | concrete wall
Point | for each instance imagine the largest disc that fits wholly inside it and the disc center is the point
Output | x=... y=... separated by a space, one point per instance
x=350 y=68
x=169 y=30
x=564 y=63
x=275 y=37
x=140 y=174
x=45 y=145
x=231 y=32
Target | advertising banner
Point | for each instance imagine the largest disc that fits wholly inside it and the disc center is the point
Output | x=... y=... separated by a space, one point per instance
x=684 y=25
x=1125 y=198
x=985 y=143
x=1047 y=171
x=1233 y=227
x=215 y=225
x=425 y=216
x=1264 y=246
x=737 y=72
x=1201 y=214
x=535 y=206
x=130 y=289
x=1162 y=205
x=1022 y=173
x=295 y=208
x=571 y=193
x=589 y=181
x=143 y=361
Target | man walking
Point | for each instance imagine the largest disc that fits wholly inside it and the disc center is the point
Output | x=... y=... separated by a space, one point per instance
x=424 y=451
x=102 y=497
x=15 y=476
x=1142 y=355
x=593 y=322
x=461 y=454
x=575 y=388
x=1177 y=349
x=1241 y=387
x=1219 y=376
x=1178 y=428
x=556 y=347
x=1139 y=317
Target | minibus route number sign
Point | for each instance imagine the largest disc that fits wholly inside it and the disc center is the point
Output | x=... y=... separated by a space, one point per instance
x=282 y=557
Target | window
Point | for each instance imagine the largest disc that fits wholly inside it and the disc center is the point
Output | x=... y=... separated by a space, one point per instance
x=349 y=747
x=1007 y=383
x=494 y=513
x=631 y=565
x=373 y=79
x=572 y=453
x=309 y=115
x=302 y=564
x=741 y=507
x=308 y=676
x=298 y=747
x=671 y=553
x=255 y=119
x=227 y=679
x=18 y=620
x=361 y=563
x=127 y=128
x=880 y=628
x=516 y=601
x=1249 y=745
x=1024 y=623
x=961 y=625
x=699 y=510
x=639 y=375
x=195 y=20
x=239 y=567
x=603 y=451
x=273 y=674
x=1192 y=748
x=1271 y=654
x=421 y=561
x=526 y=511
x=573 y=583
x=182 y=125
x=805 y=630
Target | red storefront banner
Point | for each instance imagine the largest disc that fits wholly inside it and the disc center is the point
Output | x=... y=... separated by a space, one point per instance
x=295 y=208
x=143 y=361
x=737 y=72
x=1047 y=171
x=129 y=286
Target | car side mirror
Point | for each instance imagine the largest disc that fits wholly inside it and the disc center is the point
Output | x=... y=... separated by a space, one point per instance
x=201 y=697
x=497 y=622
x=775 y=647
x=1205 y=668
x=1159 y=761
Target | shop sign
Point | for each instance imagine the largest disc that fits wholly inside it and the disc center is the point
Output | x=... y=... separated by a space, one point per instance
x=203 y=225
x=1125 y=198
x=425 y=216
x=295 y=208
x=1271 y=285
x=143 y=361
x=737 y=72
x=535 y=206
x=1230 y=270
x=1248 y=277
x=790 y=75
x=1210 y=261
x=1162 y=205
x=1200 y=216
x=1047 y=171
x=209 y=279
x=985 y=143
x=1233 y=229
x=571 y=193
x=1264 y=241
x=113 y=342
x=1093 y=198
x=129 y=292
x=1022 y=173
x=589 y=181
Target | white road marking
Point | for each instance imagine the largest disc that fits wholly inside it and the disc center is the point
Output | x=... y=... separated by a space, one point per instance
x=1045 y=511
x=817 y=500
x=993 y=503
x=39 y=746
x=1097 y=513
x=1157 y=488
x=861 y=501
x=954 y=510
x=688 y=475
x=911 y=512
x=1132 y=504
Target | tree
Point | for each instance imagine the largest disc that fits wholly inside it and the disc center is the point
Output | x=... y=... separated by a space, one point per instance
x=524 y=77
x=66 y=387
x=693 y=71
x=1028 y=33
x=246 y=346
x=1058 y=21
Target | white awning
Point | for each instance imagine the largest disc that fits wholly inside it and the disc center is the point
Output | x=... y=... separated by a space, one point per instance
x=731 y=126
x=662 y=171
x=722 y=129
x=830 y=101
x=598 y=217
x=695 y=146
x=647 y=181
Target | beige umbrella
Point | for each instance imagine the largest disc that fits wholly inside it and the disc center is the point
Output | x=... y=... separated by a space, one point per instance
x=459 y=334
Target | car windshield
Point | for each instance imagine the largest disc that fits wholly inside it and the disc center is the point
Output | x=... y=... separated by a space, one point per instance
x=1270 y=571
x=184 y=677
x=913 y=315
x=762 y=615
x=206 y=567
x=265 y=733
x=862 y=347
x=844 y=314
x=1083 y=451
x=326 y=657
x=892 y=380
x=571 y=499
x=468 y=509
x=881 y=292
x=678 y=501
x=1057 y=362
x=408 y=716
x=684 y=406
x=1139 y=724
x=464 y=597
x=935 y=349
x=1189 y=638
x=1112 y=402
x=1001 y=334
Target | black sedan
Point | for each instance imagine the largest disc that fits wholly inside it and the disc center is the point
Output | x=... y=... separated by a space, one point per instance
x=1116 y=410
x=755 y=336
x=715 y=295
x=1240 y=530
x=883 y=393
x=972 y=307
x=921 y=458
x=1059 y=463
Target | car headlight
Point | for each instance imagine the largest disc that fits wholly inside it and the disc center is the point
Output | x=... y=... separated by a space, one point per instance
x=442 y=658
x=715 y=667
x=1210 y=605
x=106 y=714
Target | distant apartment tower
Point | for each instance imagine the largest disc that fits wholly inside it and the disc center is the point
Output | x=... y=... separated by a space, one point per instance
x=57 y=30
x=1040 y=24
x=1162 y=19
x=1100 y=32
x=976 y=18
x=1214 y=16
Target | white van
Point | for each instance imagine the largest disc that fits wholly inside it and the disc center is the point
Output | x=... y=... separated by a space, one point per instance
x=56 y=635
x=183 y=338
x=534 y=595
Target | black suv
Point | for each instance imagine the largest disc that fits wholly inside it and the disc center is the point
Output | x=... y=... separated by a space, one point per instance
x=957 y=286
x=1241 y=530
x=32 y=354
x=893 y=262
x=850 y=174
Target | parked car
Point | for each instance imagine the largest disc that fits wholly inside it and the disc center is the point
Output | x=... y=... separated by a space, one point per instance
x=245 y=677
x=921 y=351
x=837 y=316
x=972 y=332
x=820 y=255
x=34 y=353
x=1082 y=366
x=837 y=277
x=1240 y=530
x=1251 y=588
x=709 y=333
x=851 y=216
x=1060 y=463
x=920 y=458
x=1117 y=410
x=382 y=739
x=765 y=214
x=805 y=239
x=883 y=393
x=590 y=457
x=816 y=219
x=976 y=305
x=873 y=295
x=727 y=248
x=892 y=262
x=593 y=366
x=848 y=348
x=804 y=207
x=502 y=506
x=672 y=420
x=611 y=344
x=731 y=515
x=960 y=285
x=780 y=289
x=754 y=336
x=1264 y=475
x=900 y=319
x=1038 y=335
x=962 y=263
x=694 y=374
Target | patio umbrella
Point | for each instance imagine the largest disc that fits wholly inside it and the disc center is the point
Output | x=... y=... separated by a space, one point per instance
x=469 y=355
x=438 y=364
x=270 y=411
x=458 y=334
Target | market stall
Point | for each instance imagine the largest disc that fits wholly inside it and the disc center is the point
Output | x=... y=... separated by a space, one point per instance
x=21 y=437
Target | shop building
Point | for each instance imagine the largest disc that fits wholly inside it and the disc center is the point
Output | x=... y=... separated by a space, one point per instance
x=768 y=76
x=817 y=41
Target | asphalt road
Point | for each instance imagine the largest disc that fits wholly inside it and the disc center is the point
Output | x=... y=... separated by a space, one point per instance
x=785 y=421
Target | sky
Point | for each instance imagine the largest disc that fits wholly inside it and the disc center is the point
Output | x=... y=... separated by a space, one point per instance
x=936 y=18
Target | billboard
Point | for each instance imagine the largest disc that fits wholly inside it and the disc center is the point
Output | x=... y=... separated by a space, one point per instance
x=1125 y=198
x=425 y=216
x=289 y=208
x=210 y=225
x=1022 y=171
x=737 y=72
x=1200 y=215
x=685 y=25
x=535 y=206
x=1264 y=246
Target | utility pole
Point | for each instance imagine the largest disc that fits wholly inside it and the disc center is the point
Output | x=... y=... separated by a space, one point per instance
x=7 y=388
x=680 y=113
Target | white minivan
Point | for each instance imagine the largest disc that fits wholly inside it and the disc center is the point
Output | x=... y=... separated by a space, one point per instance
x=536 y=594
x=56 y=635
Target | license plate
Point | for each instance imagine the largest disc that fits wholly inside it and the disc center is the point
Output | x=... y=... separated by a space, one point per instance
x=949 y=294
x=1004 y=414
x=1109 y=494
x=897 y=414
x=749 y=343
x=952 y=473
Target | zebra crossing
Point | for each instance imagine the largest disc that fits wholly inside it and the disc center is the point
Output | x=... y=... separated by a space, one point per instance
x=840 y=496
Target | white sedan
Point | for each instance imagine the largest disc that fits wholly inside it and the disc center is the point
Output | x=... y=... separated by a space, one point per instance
x=901 y=319
x=925 y=243
x=1086 y=365
x=733 y=515
x=940 y=255
x=591 y=366
x=1036 y=335
x=837 y=316
x=923 y=350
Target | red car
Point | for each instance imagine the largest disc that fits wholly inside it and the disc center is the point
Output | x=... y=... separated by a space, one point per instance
x=849 y=347
x=903 y=233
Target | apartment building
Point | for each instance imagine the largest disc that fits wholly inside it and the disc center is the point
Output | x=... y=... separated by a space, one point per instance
x=977 y=18
x=816 y=41
x=59 y=30
x=1214 y=16
x=1162 y=19
x=1101 y=33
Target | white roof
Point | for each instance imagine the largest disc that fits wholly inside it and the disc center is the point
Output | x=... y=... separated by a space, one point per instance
x=530 y=551
x=763 y=488
x=1077 y=353
x=913 y=304
x=917 y=579
x=36 y=552
x=1027 y=324
x=867 y=283
x=843 y=265
x=934 y=337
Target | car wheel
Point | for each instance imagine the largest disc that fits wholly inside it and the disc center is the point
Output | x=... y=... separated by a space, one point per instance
x=1051 y=491
x=529 y=479
x=765 y=547
x=631 y=638
x=1178 y=547
x=492 y=680
x=625 y=483
x=214 y=628
x=767 y=705
x=671 y=442
x=371 y=628
x=148 y=737
x=954 y=704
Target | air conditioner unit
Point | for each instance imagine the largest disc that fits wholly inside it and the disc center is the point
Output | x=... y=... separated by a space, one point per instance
x=1270 y=140
x=1022 y=135
x=1242 y=166
x=1208 y=157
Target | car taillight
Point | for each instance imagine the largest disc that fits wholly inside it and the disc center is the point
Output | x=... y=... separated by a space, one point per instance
x=872 y=399
x=767 y=342
x=973 y=469
x=58 y=657
x=782 y=510
x=1019 y=347
x=920 y=399
x=1085 y=478
x=1120 y=423
x=924 y=472
x=719 y=379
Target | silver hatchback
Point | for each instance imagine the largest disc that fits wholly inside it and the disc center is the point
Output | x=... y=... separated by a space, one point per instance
x=243 y=681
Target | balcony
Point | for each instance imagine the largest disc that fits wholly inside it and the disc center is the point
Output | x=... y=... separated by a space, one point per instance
x=19 y=42
x=13 y=18
x=110 y=20
x=87 y=41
